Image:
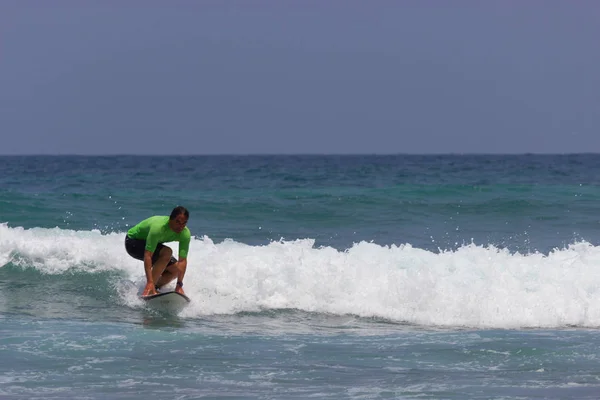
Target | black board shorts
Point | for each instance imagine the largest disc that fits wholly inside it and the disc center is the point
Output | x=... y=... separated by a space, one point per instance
x=136 y=247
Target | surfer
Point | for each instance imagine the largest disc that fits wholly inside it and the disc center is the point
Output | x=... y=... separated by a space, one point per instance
x=145 y=241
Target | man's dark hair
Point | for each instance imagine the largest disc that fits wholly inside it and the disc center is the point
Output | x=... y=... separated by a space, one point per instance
x=179 y=210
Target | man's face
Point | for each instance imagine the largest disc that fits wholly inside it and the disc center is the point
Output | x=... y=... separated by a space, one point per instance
x=178 y=223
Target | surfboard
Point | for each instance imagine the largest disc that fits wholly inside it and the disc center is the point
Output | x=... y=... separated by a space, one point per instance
x=169 y=302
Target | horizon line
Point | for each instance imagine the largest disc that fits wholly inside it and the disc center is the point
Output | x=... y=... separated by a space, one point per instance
x=289 y=154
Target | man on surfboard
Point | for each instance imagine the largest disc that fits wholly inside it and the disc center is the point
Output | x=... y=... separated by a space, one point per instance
x=145 y=241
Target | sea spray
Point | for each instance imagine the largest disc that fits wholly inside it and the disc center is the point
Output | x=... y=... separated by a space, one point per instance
x=474 y=285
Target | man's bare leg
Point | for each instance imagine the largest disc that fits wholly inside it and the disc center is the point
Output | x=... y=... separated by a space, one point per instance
x=161 y=264
x=167 y=276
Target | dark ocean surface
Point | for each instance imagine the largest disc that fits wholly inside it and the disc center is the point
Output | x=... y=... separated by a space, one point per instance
x=358 y=277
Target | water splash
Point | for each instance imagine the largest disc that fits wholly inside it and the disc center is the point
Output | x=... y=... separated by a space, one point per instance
x=478 y=286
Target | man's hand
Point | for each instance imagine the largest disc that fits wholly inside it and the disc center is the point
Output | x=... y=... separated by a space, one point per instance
x=149 y=290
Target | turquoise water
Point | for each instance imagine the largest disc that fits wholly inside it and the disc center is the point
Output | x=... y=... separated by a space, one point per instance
x=359 y=277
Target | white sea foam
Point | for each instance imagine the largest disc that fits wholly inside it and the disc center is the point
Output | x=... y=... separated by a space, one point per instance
x=480 y=286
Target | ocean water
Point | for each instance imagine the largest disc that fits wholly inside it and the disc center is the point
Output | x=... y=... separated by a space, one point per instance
x=330 y=277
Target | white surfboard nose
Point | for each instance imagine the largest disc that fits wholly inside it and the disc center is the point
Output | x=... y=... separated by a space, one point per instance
x=167 y=302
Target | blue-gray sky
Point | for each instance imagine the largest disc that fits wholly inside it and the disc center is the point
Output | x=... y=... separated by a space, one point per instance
x=279 y=77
